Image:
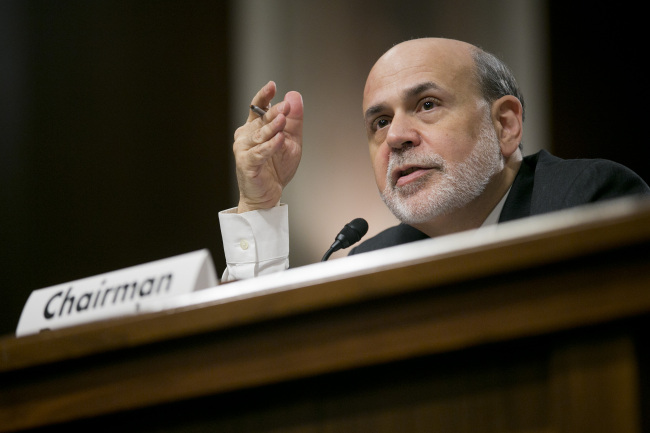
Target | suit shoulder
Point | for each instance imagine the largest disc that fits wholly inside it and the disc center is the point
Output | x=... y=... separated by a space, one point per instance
x=562 y=183
x=553 y=165
x=397 y=235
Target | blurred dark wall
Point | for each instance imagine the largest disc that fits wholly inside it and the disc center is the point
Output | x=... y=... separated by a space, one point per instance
x=598 y=104
x=114 y=137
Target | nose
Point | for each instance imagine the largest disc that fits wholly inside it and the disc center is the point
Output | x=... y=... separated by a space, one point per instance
x=401 y=132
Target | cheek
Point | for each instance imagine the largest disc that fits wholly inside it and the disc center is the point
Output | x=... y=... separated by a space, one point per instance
x=454 y=135
x=379 y=160
x=456 y=146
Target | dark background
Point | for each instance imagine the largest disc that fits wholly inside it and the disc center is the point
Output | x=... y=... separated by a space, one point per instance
x=598 y=100
x=114 y=131
x=115 y=137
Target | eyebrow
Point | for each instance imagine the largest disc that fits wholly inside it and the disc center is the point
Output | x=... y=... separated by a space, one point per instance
x=408 y=93
x=419 y=88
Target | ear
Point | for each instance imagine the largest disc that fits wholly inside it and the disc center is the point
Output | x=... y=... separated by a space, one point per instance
x=507 y=115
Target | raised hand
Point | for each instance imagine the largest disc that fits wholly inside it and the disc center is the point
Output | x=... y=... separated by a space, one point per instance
x=268 y=149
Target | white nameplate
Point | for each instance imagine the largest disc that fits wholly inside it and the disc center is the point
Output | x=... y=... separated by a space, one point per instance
x=116 y=293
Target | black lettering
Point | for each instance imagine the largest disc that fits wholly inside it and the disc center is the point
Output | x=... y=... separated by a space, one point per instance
x=108 y=290
x=124 y=288
x=134 y=289
x=167 y=277
x=92 y=299
x=98 y=295
x=46 y=311
x=148 y=282
x=67 y=299
x=84 y=301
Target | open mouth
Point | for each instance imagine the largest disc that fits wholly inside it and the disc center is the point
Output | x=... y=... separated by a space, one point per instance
x=410 y=174
x=409 y=171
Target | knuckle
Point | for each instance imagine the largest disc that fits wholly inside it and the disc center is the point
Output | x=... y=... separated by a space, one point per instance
x=256 y=137
x=239 y=131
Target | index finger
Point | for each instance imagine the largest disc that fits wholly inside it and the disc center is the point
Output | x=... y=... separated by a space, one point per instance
x=262 y=99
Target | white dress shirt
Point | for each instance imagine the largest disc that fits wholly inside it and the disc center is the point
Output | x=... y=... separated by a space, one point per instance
x=257 y=242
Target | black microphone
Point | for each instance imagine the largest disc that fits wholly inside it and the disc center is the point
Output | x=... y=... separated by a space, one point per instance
x=351 y=233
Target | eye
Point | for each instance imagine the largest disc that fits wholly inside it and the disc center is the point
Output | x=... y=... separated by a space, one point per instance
x=429 y=104
x=380 y=123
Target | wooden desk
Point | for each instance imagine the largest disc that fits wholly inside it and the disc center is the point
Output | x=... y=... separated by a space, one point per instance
x=538 y=332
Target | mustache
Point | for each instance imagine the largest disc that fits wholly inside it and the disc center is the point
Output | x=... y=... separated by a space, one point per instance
x=409 y=157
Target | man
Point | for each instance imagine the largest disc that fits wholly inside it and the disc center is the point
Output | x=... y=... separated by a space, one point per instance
x=444 y=121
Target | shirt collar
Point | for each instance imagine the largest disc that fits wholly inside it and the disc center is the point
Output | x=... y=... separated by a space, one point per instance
x=493 y=218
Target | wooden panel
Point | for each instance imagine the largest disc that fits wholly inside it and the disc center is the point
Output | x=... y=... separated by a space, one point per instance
x=529 y=334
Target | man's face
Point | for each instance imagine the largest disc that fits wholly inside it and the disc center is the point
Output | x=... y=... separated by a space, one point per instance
x=432 y=144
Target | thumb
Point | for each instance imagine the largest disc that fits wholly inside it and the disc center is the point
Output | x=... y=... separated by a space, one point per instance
x=295 y=101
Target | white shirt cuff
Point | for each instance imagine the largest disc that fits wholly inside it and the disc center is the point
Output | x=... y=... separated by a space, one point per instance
x=255 y=243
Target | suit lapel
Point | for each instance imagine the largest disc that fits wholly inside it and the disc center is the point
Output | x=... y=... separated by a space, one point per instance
x=517 y=204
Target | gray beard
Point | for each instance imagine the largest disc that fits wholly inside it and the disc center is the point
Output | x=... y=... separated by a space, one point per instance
x=458 y=183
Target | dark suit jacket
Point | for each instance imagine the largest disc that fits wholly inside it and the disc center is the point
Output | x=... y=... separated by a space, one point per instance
x=543 y=184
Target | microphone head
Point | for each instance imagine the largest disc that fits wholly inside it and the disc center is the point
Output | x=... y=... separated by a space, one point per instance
x=352 y=232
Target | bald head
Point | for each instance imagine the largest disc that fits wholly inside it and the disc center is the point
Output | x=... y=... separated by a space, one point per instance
x=454 y=58
x=491 y=77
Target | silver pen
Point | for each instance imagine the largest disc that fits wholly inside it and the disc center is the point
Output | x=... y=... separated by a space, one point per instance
x=257 y=110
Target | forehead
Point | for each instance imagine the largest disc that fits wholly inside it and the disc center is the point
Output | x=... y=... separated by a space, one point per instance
x=447 y=64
